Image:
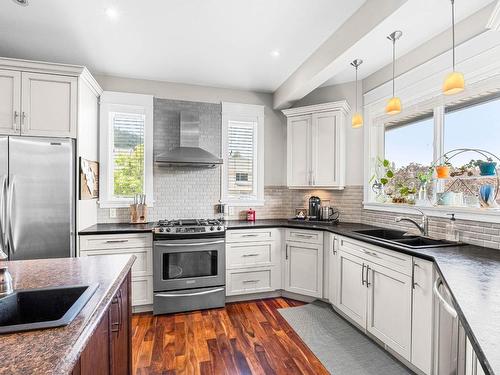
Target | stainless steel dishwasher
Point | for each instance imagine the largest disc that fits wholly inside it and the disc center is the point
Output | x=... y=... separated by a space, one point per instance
x=449 y=335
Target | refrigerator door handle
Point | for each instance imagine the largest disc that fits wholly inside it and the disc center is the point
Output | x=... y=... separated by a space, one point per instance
x=10 y=205
x=3 y=240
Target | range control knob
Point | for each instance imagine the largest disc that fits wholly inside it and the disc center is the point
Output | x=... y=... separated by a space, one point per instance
x=161 y=229
x=211 y=228
x=219 y=228
x=168 y=229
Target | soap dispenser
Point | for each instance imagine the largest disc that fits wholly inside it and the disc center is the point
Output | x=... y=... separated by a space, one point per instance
x=452 y=233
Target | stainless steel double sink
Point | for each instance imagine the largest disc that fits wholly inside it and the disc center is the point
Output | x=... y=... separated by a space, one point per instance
x=403 y=239
x=31 y=309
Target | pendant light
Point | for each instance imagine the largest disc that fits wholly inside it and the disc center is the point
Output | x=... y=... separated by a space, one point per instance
x=454 y=82
x=357 y=118
x=394 y=104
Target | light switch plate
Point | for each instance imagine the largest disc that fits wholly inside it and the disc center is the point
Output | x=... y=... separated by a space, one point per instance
x=112 y=213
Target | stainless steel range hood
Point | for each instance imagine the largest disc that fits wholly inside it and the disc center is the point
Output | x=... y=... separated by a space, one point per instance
x=189 y=153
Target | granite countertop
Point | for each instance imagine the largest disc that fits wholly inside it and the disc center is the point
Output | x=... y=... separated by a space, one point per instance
x=117 y=228
x=56 y=350
x=472 y=274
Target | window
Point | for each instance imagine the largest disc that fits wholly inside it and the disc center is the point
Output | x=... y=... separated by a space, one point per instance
x=125 y=148
x=243 y=152
x=473 y=126
x=409 y=148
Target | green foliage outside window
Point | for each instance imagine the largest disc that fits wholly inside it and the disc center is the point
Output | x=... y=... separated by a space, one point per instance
x=129 y=172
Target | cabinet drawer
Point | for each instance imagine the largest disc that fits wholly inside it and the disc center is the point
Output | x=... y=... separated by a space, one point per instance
x=391 y=259
x=301 y=235
x=143 y=265
x=252 y=235
x=251 y=281
x=142 y=290
x=116 y=241
x=251 y=254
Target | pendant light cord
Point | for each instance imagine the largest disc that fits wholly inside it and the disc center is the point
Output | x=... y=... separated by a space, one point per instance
x=356 y=100
x=453 y=30
x=393 y=65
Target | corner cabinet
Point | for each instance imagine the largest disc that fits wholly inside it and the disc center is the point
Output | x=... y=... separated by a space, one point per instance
x=316 y=145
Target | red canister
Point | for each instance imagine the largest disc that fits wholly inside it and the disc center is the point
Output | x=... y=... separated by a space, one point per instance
x=251 y=215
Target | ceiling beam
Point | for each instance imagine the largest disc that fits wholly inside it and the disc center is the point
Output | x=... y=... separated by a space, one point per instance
x=321 y=65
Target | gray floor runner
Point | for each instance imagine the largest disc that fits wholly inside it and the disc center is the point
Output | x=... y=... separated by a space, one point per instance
x=340 y=347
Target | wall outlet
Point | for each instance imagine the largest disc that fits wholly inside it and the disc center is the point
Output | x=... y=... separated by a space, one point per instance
x=112 y=213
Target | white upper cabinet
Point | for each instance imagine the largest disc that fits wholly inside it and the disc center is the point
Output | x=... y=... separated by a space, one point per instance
x=316 y=145
x=49 y=105
x=45 y=99
x=10 y=101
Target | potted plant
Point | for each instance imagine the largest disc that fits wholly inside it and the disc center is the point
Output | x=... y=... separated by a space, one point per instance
x=487 y=168
x=443 y=169
x=383 y=174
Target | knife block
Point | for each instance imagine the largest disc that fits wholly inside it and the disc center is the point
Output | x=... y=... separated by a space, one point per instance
x=138 y=213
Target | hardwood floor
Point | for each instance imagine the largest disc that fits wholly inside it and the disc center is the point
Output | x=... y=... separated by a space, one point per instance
x=243 y=338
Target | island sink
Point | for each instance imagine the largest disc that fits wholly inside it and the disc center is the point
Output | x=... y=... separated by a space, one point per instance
x=30 y=309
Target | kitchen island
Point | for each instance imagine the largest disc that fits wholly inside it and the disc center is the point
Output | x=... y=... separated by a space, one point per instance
x=100 y=329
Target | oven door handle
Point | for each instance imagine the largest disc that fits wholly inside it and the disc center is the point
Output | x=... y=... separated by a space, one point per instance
x=188 y=244
x=169 y=295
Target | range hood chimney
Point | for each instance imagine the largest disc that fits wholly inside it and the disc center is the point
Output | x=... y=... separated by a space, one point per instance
x=189 y=153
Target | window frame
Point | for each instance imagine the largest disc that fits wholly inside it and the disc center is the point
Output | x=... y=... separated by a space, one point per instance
x=244 y=113
x=111 y=101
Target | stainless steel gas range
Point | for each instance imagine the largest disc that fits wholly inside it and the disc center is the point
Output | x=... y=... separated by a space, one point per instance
x=188 y=265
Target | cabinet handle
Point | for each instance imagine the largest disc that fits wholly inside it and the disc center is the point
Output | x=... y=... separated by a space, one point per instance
x=250 y=281
x=334 y=246
x=367 y=275
x=116 y=241
x=413 y=283
x=115 y=326
x=445 y=303
x=16 y=116
x=250 y=255
x=249 y=235
x=286 y=252
x=23 y=117
x=303 y=235
x=363 y=275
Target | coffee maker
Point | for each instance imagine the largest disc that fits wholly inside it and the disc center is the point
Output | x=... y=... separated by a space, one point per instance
x=314 y=208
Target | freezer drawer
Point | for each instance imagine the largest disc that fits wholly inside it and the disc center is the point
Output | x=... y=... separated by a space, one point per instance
x=188 y=300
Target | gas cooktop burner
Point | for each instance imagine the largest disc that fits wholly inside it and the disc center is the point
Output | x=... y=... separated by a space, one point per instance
x=188 y=226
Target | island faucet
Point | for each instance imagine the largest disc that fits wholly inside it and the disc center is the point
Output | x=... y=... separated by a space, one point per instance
x=423 y=227
x=5 y=277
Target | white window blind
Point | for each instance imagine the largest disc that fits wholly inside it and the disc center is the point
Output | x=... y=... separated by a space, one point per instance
x=128 y=153
x=241 y=156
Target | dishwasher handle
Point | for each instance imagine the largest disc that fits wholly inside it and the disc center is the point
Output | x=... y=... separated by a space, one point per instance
x=447 y=306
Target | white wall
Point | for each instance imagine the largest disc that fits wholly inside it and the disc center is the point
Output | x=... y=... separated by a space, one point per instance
x=354 y=144
x=275 y=123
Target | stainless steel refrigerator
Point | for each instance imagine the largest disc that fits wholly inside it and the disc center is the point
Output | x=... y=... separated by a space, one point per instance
x=37 y=197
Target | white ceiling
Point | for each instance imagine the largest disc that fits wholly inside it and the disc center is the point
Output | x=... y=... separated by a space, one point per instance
x=420 y=21
x=225 y=43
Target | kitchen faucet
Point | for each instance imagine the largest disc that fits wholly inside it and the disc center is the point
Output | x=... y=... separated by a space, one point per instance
x=423 y=227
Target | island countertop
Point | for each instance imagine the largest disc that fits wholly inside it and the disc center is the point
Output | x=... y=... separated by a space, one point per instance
x=56 y=350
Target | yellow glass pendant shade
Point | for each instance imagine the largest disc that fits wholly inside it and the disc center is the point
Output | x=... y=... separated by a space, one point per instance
x=357 y=120
x=393 y=106
x=454 y=83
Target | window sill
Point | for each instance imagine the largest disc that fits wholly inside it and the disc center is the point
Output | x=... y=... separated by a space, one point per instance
x=242 y=203
x=462 y=213
x=120 y=204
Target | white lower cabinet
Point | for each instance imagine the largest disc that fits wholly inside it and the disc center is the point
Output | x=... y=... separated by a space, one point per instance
x=304 y=268
x=374 y=293
x=332 y=267
x=351 y=295
x=422 y=313
x=253 y=261
x=138 y=244
x=389 y=307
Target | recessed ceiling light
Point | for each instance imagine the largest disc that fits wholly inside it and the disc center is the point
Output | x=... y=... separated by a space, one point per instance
x=23 y=3
x=275 y=53
x=111 y=13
